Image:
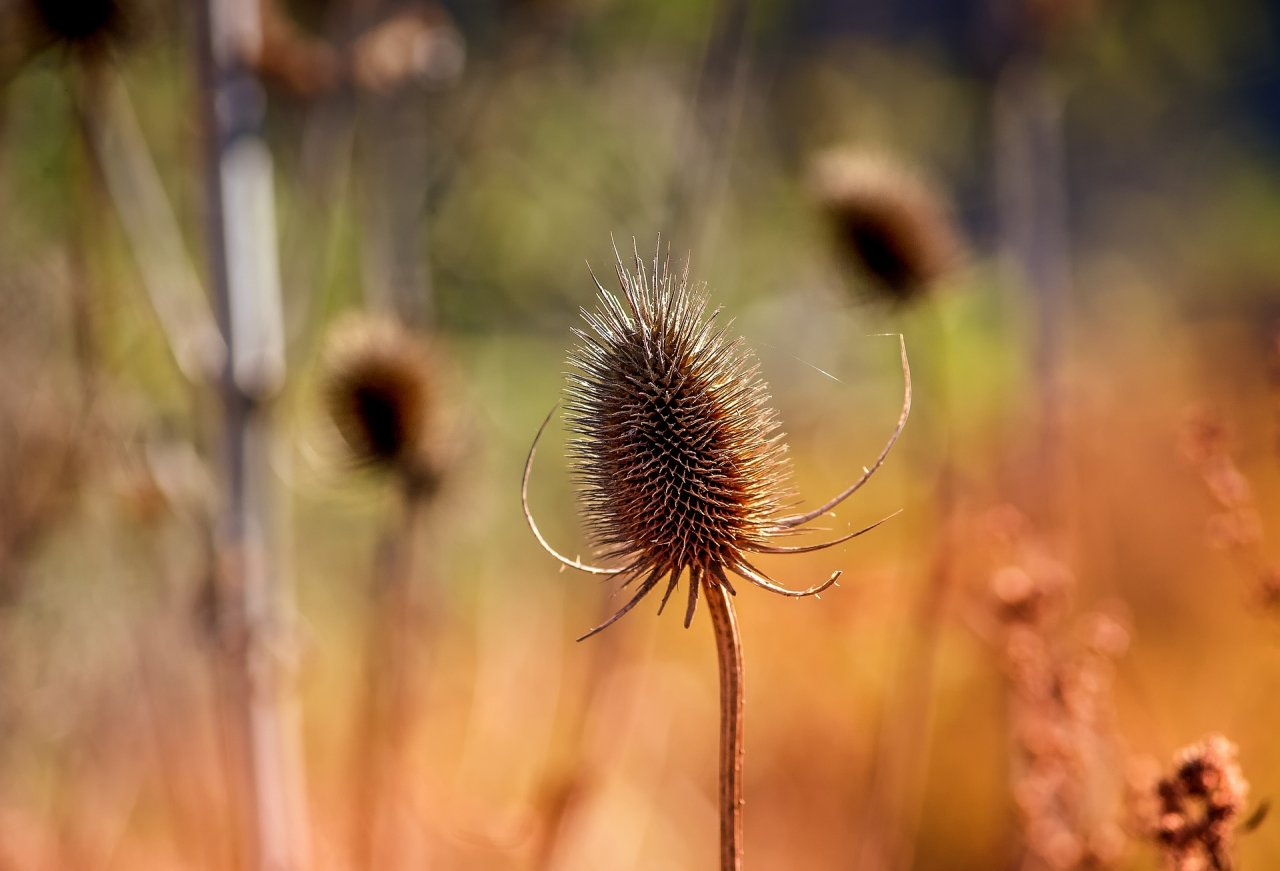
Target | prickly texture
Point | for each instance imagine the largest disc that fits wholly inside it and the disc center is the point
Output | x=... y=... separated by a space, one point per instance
x=886 y=223
x=677 y=453
x=378 y=391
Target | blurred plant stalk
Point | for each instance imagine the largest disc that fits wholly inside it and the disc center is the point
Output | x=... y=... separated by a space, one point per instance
x=393 y=661
x=1031 y=198
x=254 y=608
x=890 y=823
x=700 y=174
x=129 y=175
x=724 y=622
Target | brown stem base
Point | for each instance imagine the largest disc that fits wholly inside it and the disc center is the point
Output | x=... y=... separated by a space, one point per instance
x=729 y=654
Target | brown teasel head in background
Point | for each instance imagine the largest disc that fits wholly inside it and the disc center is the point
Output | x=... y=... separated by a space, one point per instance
x=886 y=223
x=677 y=453
x=89 y=28
x=379 y=390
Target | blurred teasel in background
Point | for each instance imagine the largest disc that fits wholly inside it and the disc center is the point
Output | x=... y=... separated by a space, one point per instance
x=384 y=398
x=887 y=225
x=84 y=28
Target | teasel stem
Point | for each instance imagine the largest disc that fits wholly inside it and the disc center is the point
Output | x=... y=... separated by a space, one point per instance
x=724 y=623
x=568 y=790
x=388 y=708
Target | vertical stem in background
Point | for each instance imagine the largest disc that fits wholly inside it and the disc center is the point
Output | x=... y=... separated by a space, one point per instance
x=253 y=607
x=397 y=270
x=1031 y=199
x=131 y=181
x=702 y=156
x=729 y=654
x=891 y=818
x=567 y=789
x=86 y=81
x=388 y=706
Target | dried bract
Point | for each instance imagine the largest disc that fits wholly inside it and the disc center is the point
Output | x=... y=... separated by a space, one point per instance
x=676 y=449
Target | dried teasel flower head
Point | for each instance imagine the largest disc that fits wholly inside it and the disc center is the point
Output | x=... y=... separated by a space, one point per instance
x=379 y=392
x=1191 y=813
x=677 y=453
x=87 y=27
x=887 y=223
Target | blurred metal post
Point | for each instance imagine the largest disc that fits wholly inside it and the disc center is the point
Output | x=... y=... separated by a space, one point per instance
x=254 y=601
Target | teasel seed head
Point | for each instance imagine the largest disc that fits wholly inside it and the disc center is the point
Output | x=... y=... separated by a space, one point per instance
x=886 y=223
x=379 y=392
x=678 y=455
x=1192 y=813
x=86 y=27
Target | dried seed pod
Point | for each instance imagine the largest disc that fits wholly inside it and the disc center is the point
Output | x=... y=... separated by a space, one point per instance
x=679 y=457
x=1191 y=814
x=886 y=223
x=88 y=27
x=379 y=393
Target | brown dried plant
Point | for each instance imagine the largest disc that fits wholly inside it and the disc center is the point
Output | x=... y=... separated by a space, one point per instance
x=88 y=28
x=1191 y=813
x=380 y=388
x=1059 y=707
x=379 y=392
x=682 y=470
x=887 y=223
x=289 y=57
x=1236 y=527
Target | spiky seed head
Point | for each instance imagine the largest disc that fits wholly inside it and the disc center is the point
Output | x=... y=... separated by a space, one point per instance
x=378 y=390
x=678 y=455
x=676 y=450
x=886 y=222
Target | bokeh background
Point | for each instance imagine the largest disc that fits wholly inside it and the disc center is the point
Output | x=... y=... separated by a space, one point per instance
x=1107 y=348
